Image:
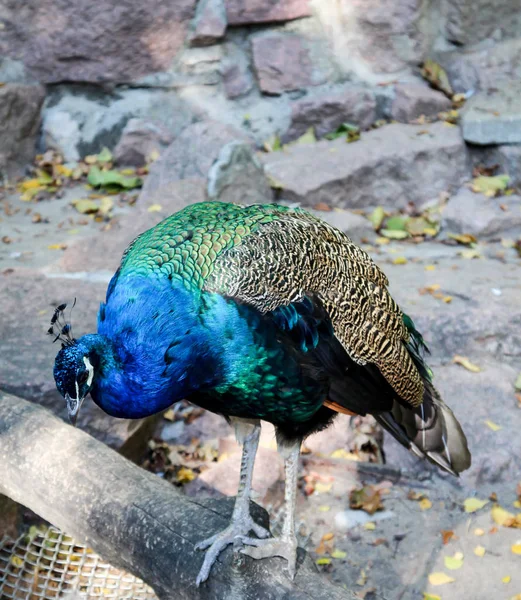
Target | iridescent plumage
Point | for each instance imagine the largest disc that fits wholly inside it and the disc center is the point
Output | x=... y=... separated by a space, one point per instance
x=264 y=312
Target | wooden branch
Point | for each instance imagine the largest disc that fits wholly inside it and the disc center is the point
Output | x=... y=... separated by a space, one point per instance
x=132 y=518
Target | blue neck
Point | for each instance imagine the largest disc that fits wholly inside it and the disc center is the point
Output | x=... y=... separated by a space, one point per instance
x=153 y=347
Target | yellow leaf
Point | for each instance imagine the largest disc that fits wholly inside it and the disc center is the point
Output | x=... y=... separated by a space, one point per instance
x=323 y=488
x=490 y=186
x=463 y=238
x=30 y=184
x=440 y=578
x=479 y=551
x=516 y=548
x=128 y=172
x=91 y=159
x=430 y=267
x=16 y=561
x=344 y=454
x=425 y=504
x=184 y=475
x=427 y=596
x=473 y=504
x=324 y=508
x=500 y=516
x=470 y=254
x=323 y=561
x=63 y=170
x=465 y=362
x=479 y=532
x=85 y=206
x=492 y=425
x=517 y=503
x=338 y=554
x=328 y=536
x=169 y=415
x=506 y=579
x=155 y=208
x=370 y=526
x=453 y=563
x=447 y=299
x=57 y=247
x=382 y=241
x=400 y=260
x=430 y=231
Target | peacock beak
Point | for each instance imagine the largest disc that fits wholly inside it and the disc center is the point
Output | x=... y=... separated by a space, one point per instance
x=73 y=407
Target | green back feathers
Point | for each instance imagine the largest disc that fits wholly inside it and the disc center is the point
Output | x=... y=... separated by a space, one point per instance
x=187 y=244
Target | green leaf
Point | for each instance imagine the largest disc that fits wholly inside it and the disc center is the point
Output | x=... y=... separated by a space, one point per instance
x=350 y=131
x=338 y=554
x=490 y=186
x=308 y=138
x=394 y=234
x=323 y=561
x=417 y=225
x=517 y=384
x=436 y=75
x=396 y=223
x=377 y=217
x=99 y=178
x=104 y=156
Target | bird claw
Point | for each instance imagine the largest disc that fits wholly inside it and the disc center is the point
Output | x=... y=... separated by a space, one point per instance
x=285 y=547
x=236 y=532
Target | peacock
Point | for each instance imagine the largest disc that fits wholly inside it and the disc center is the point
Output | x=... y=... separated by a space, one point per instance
x=260 y=312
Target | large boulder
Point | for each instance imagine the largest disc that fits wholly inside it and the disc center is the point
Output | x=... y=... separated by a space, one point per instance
x=467 y=212
x=19 y=124
x=81 y=120
x=392 y=165
x=493 y=116
x=488 y=65
x=281 y=61
x=190 y=156
x=94 y=41
x=472 y=21
x=326 y=111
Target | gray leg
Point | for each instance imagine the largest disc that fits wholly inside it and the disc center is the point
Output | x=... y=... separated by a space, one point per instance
x=286 y=545
x=241 y=523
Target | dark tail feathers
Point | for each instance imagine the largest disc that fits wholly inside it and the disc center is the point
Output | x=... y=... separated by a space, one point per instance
x=430 y=430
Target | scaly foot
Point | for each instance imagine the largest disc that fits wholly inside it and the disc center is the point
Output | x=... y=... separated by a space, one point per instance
x=286 y=547
x=237 y=531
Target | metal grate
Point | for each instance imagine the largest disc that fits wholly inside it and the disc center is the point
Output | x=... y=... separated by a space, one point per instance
x=46 y=565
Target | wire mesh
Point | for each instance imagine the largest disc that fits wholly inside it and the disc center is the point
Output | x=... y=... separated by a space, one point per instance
x=46 y=565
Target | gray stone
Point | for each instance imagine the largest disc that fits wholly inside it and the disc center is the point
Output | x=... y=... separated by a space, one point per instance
x=467 y=212
x=237 y=176
x=265 y=11
x=209 y=23
x=487 y=66
x=79 y=120
x=200 y=66
x=494 y=116
x=375 y=38
x=411 y=101
x=102 y=42
x=236 y=75
x=281 y=62
x=325 y=112
x=392 y=165
x=472 y=21
x=19 y=123
x=190 y=156
x=139 y=140
x=506 y=158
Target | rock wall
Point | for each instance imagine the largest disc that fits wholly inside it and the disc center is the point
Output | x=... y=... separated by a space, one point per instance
x=133 y=72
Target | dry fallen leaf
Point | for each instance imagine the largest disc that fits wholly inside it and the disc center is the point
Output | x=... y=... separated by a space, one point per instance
x=463 y=238
x=185 y=475
x=492 y=425
x=425 y=504
x=516 y=548
x=453 y=562
x=446 y=536
x=479 y=551
x=328 y=536
x=465 y=362
x=490 y=186
x=473 y=504
x=503 y=517
x=440 y=578
x=479 y=532
x=367 y=499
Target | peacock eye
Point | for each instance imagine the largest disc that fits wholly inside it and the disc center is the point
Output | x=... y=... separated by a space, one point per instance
x=83 y=378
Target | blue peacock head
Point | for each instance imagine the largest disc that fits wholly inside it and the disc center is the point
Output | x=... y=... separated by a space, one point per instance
x=74 y=367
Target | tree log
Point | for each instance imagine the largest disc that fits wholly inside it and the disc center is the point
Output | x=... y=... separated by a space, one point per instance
x=134 y=519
